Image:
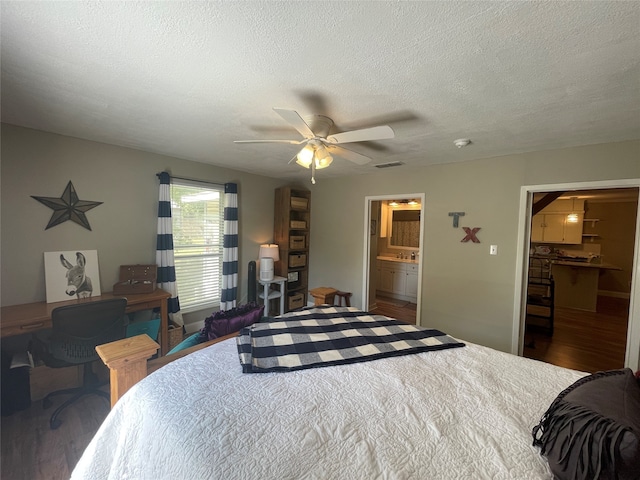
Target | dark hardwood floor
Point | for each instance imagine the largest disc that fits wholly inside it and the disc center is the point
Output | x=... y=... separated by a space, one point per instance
x=586 y=341
x=402 y=310
x=32 y=451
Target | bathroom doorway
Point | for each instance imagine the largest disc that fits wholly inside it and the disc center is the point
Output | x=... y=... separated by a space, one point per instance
x=393 y=243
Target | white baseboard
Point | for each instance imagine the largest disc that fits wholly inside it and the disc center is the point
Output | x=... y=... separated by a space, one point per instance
x=610 y=293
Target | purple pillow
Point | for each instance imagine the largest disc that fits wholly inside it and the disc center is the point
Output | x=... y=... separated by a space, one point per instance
x=227 y=321
x=592 y=429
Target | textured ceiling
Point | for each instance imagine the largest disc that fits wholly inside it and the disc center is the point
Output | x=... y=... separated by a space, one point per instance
x=185 y=79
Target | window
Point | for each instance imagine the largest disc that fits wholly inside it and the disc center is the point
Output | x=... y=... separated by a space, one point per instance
x=197 y=211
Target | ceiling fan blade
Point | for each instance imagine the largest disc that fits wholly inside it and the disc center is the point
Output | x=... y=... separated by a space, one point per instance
x=366 y=134
x=291 y=142
x=348 y=154
x=296 y=121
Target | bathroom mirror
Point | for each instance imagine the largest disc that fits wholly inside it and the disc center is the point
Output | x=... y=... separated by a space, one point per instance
x=404 y=226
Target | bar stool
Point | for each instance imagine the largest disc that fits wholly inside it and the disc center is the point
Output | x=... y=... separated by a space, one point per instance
x=323 y=295
x=346 y=296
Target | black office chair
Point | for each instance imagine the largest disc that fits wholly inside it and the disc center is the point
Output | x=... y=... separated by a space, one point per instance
x=77 y=330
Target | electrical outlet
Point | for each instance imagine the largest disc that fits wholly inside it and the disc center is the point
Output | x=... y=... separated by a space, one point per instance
x=493 y=250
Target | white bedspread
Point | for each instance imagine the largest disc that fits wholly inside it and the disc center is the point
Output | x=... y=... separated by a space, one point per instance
x=464 y=413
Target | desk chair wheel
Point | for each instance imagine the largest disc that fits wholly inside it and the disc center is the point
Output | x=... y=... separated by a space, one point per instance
x=54 y=423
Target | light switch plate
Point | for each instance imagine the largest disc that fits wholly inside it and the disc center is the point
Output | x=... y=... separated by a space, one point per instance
x=493 y=250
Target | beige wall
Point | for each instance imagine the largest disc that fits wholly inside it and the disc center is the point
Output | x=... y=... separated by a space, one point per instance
x=616 y=230
x=123 y=228
x=465 y=291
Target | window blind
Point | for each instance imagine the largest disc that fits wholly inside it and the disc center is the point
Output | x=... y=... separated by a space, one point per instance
x=197 y=215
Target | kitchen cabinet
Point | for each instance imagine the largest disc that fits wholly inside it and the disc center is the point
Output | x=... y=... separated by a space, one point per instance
x=399 y=279
x=577 y=283
x=551 y=225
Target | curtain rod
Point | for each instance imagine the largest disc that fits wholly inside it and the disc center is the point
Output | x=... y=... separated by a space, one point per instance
x=192 y=179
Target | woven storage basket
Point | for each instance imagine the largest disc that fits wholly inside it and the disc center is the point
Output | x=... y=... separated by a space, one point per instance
x=297 y=260
x=298 y=224
x=299 y=203
x=296 y=300
x=175 y=335
x=297 y=241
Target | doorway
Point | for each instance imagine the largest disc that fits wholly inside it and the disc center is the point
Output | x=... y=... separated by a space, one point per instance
x=392 y=276
x=594 y=325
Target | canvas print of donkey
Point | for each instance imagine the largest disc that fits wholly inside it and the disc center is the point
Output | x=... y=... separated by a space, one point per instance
x=70 y=275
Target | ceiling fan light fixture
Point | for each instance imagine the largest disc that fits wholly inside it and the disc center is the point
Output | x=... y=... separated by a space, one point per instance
x=323 y=162
x=305 y=156
x=315 y=132
x=573 y=216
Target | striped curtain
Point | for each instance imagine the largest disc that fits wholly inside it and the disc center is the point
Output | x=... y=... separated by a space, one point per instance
x=164 y=250
x=230 y=248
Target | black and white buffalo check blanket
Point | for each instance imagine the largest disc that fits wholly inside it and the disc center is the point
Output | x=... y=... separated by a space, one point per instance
x=319 y=337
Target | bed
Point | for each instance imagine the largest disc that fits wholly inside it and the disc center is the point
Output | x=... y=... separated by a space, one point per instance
x=450 y=413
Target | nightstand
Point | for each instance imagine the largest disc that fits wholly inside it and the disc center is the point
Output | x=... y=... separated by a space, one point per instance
x=268 y=294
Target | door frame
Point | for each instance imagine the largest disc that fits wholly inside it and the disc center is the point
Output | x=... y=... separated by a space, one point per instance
x=632 y=351
x=366 y=263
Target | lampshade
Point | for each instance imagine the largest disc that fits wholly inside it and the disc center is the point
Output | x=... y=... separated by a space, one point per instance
x=270 y=251
x=305 y=156
x=323 y=162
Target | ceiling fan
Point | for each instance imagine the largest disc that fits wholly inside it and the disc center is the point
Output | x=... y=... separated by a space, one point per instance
x=320 y=144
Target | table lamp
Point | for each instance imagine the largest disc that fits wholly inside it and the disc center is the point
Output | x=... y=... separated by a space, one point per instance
x=268 y=255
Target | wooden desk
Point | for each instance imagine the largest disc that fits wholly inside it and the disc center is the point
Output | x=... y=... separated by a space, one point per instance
x=30 y=317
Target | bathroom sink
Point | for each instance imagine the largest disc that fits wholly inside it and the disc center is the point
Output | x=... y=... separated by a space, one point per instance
x=396 y=259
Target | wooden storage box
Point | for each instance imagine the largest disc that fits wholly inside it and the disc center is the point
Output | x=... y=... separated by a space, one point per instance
x=297 y=242
x=299 y=203
x=298 y=224
x=297 y=260
x=44 y=380
x=136 y=279
x=296 y=300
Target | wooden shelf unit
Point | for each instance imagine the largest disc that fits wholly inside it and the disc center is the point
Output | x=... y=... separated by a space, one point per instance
x=291 y=233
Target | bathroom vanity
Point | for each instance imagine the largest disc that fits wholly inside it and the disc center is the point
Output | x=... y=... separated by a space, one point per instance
x=398 y=278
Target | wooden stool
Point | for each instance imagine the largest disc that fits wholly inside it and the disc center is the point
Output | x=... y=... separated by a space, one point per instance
x=346 y=296
x=323 y=295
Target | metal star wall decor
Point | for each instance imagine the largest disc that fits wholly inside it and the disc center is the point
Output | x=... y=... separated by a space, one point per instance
x=68 y=207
